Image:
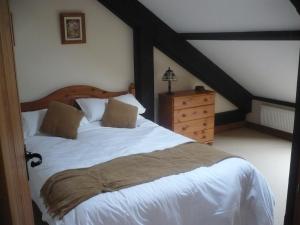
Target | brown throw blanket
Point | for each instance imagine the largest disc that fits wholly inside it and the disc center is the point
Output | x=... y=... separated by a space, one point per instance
x=65 y=190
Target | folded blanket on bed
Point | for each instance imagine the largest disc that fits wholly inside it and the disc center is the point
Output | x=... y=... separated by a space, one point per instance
x=65 y=190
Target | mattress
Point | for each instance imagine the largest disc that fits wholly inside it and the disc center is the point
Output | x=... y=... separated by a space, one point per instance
x=231 y=192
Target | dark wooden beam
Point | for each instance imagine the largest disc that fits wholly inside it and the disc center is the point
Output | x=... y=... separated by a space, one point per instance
x=172 y=44
x=274 y=101
x=233 y=116
x=245 y=36
x=144 y=70
x=296 y=3
x=293 y=194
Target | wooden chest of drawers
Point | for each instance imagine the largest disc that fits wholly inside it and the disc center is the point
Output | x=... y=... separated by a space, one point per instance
x=189 y=113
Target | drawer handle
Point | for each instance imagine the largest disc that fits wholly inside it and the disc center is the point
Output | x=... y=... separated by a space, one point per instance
x=183 y=103
x=183 y=115
x=203 y=136
x=205 y=99
x=205 y=111
x=184 y=128
x=195 y=132
x=204 y=124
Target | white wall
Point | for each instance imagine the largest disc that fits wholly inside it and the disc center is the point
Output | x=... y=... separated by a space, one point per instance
x=106 y=60
x=185 y=80
x=44 y=64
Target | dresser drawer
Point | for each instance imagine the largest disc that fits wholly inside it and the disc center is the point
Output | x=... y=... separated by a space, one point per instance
x=183 y=115
x=195 y=125
x=193 y=101
x=203 y=136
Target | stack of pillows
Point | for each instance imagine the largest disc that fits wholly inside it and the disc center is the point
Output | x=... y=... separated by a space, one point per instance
x=63 y=120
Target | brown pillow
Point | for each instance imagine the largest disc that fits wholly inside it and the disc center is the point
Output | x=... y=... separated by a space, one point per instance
x=119 y=114
x=61 y=120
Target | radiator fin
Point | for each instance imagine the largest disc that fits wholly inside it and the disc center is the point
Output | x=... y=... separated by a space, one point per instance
x=277 y=118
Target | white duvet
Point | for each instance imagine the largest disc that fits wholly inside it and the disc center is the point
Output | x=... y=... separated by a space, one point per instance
x=231 y=192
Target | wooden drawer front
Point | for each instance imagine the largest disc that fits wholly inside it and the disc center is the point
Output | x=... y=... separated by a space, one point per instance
x=203 y=136
x=193 y=101
x=183 y=115
x=195 y=125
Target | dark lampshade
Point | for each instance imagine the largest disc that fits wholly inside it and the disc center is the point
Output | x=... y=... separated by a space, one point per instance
x=169 y=76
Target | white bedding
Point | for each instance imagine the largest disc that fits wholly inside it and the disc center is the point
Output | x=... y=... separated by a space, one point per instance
x=231 y=192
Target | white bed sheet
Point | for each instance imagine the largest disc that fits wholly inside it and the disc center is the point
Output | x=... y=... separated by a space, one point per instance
x=231 y=192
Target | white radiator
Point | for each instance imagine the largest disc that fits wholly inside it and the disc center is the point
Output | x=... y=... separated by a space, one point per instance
x=277 y=118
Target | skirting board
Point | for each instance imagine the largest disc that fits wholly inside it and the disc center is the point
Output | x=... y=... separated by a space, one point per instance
x=236 y=119
x=229 y=120
x=229 y=126
x=270 y=131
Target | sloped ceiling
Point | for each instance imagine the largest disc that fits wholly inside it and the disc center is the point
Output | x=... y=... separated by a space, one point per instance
x=265 y=68
x=225 y=15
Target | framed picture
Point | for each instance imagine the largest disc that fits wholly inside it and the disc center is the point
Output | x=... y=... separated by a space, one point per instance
x=72 y=26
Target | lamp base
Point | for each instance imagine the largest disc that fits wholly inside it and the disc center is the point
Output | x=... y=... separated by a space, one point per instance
x=169 y=88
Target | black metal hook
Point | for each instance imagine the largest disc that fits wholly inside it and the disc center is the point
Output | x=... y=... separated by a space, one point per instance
x=30 y=156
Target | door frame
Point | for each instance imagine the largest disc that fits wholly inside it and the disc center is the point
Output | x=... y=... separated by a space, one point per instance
x=291 y=214
x=15 y=186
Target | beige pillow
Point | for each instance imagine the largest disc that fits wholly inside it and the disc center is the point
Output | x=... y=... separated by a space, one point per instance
x=119 y=114
x=61 y=120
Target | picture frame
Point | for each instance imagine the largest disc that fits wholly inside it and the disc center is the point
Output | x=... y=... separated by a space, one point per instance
x=72 y=27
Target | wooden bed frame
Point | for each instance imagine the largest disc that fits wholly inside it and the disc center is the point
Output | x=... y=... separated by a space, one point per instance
x=68 y=95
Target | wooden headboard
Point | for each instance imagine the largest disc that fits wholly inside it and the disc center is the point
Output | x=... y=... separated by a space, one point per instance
x=68 y=95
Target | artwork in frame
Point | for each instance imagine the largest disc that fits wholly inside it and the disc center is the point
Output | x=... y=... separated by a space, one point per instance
x=72 y=27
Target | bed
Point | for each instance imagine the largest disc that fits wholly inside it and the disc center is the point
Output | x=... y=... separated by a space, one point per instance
x=231 y=192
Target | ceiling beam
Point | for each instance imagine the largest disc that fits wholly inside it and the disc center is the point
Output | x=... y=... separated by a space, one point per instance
x=296 y=3
x=173 y=45
x=274 y=101
x=144 y=70
x=245 y=36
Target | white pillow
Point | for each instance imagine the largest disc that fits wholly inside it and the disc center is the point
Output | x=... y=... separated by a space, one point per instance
x=93 y=108
x=131 y=100
x=32 y=122
x=84 y=121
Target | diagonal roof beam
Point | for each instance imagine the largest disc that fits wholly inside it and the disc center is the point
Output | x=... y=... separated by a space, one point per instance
x=172 y=44
x=296 y=3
